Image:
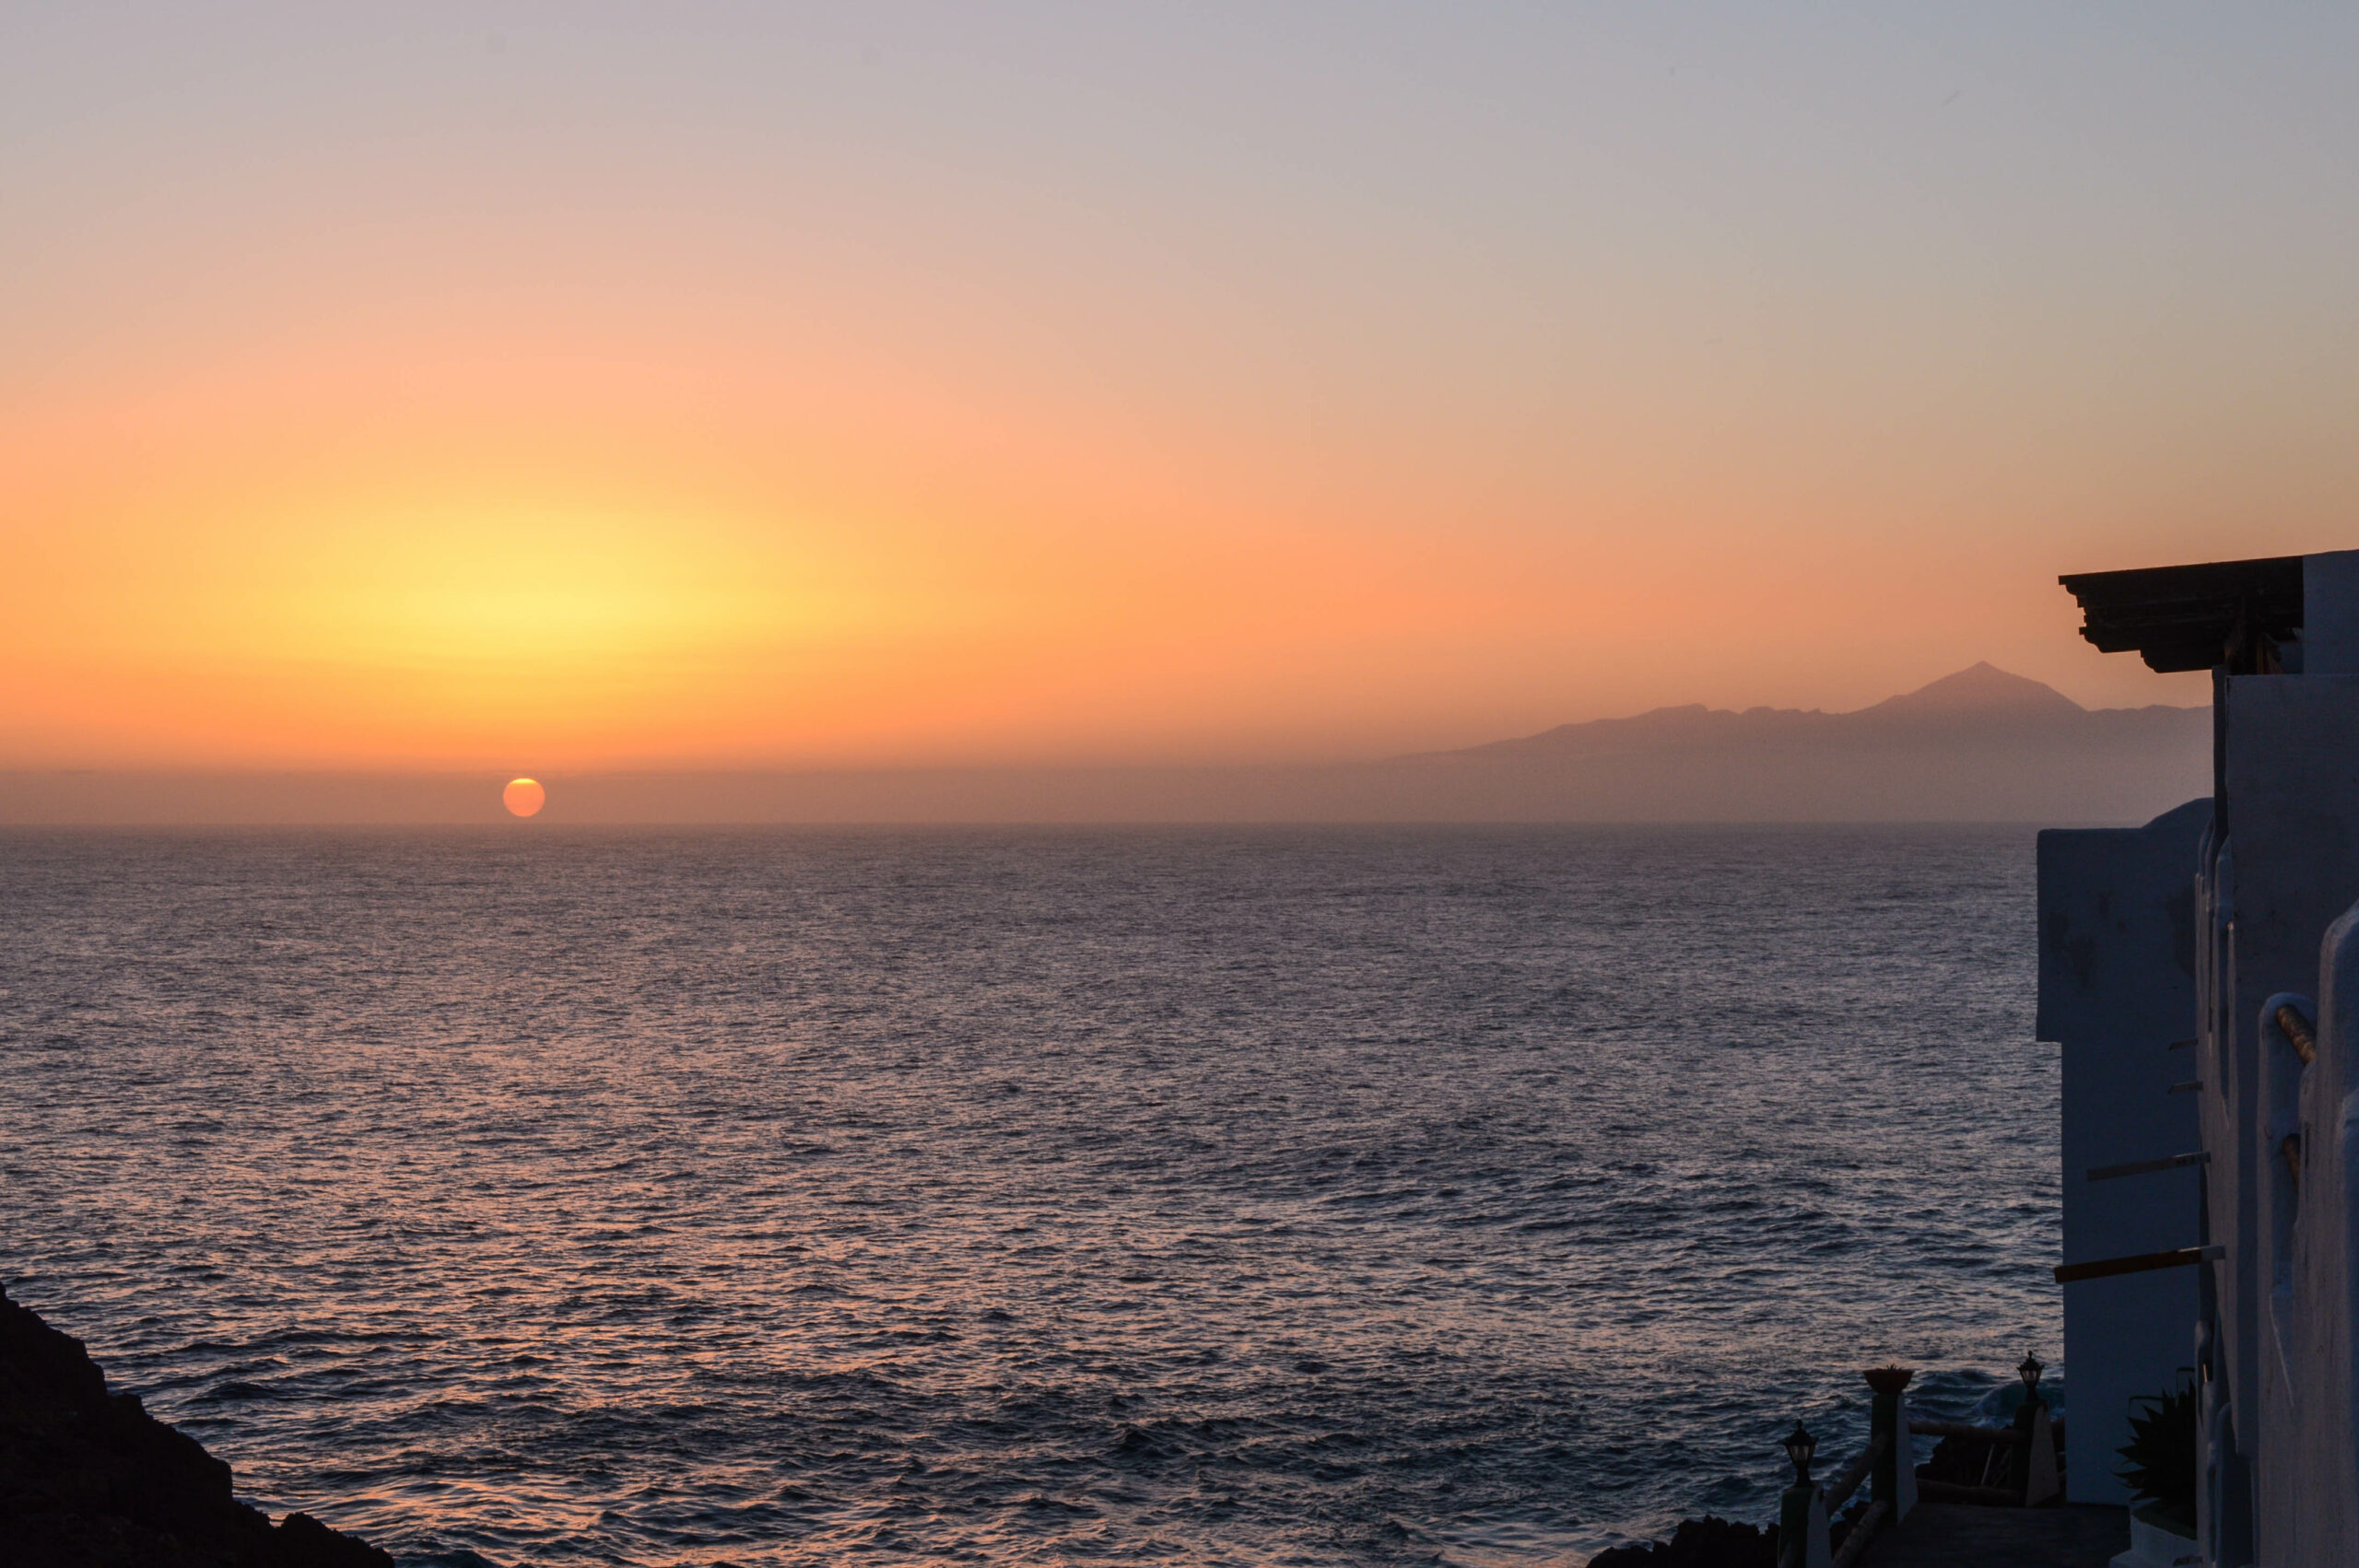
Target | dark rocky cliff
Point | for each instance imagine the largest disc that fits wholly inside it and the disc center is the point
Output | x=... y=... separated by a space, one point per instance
x=89 y=1480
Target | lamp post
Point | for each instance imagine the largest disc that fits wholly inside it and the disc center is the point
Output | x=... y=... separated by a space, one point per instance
x=2019 y=1465
x=1800 y=1445
x=1801 y=1518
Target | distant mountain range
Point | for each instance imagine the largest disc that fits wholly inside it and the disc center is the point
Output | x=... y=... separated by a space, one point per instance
x=1981 y=745
x=1980 y=701
x=1978 y=745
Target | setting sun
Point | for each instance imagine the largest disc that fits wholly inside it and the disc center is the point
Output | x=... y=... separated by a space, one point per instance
x=523 y=796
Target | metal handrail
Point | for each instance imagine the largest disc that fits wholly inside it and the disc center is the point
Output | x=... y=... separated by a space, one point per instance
x=1808 y=1510
x=1838 y=1491
x=2148 y=1168
x=1863 y=1529
x=2299 y=1032
x=2138 y=1263
x=1962 y=1428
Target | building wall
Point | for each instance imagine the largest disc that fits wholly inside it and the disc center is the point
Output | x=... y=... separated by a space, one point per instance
x=2271 y=916
x=2117 y=955
x=2286 y=1307
x=2149 y=934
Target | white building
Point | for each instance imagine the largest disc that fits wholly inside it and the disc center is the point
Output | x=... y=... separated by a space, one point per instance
x=2202 y=975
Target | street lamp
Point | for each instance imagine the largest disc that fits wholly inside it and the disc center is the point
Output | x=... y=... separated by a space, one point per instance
x=1800 y=1445
x=2029 y=1371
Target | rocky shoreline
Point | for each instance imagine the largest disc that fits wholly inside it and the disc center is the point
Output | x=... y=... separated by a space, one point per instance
x=89 y=1479
x=1707 y=1542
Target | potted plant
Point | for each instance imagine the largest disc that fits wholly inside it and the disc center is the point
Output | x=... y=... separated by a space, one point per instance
x=2160 y=1474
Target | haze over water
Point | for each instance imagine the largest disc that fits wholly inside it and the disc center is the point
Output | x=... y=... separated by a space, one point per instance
x=1318 y=1196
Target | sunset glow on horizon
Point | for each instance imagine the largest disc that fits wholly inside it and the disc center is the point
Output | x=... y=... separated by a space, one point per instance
x=899 y=388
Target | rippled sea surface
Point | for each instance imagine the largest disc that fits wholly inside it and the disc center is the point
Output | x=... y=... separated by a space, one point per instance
x=1333 y=1196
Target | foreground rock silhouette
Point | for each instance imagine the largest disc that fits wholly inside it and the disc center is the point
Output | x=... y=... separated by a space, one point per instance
x=89 y=1479
x=1707 y=1542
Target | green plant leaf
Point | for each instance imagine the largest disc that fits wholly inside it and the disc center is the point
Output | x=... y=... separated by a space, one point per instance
x=2161 y=1452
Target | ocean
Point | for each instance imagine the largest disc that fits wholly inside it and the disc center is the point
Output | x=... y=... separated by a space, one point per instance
x=1309 y=1196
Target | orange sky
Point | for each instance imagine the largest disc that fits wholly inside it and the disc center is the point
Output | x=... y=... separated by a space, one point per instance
x=882 y=388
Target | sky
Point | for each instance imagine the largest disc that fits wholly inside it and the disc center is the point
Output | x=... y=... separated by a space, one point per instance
x=587 y=386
